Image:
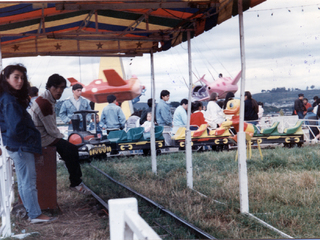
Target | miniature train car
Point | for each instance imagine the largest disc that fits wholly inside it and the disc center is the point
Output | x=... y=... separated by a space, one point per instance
x=135 y=139
x=203 y=137
x=89 y=145
x=289 y=138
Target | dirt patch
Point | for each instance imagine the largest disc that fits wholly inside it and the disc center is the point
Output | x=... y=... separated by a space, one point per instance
x=81 y=217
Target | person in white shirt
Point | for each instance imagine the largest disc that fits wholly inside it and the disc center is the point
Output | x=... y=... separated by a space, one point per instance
x=147 y=124
x=261 y=110
x=214 y=115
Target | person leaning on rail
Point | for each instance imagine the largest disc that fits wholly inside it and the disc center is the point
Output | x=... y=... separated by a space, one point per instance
x=44 y=117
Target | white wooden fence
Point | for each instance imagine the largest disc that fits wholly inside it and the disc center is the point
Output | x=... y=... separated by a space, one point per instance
x=6 y=191
x=125 y=222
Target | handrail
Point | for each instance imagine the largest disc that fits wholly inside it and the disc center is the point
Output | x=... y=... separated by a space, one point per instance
x=124 y=221
x=6 y=191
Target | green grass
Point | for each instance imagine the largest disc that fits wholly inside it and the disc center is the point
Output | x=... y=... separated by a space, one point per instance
x=283 y=189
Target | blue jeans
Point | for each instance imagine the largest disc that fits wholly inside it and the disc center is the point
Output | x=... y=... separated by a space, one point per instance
x=300 y=115
x=27 y=186
x=253 y=122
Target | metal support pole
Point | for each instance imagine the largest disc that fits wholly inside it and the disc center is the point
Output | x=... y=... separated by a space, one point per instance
x=241 y=136
x=152 y=134
x=1 y=67
x=188 y=132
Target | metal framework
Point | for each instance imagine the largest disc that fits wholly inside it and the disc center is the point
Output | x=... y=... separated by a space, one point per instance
x=106 y=28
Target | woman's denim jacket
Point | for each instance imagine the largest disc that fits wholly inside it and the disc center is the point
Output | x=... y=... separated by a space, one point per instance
x=17 y=128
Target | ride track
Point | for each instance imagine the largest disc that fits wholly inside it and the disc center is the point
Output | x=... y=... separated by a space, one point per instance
x=150 y=208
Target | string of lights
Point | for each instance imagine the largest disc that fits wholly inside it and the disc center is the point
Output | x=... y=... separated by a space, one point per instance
x=272 y=10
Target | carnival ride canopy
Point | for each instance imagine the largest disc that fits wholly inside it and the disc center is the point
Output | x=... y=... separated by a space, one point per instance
x=107 y=28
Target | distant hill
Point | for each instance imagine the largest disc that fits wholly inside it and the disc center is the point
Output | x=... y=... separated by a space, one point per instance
x=275 y=101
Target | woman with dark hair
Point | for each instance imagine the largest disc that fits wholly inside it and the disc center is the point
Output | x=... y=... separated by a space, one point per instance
x=251 y=108
x=316 y=110
x=20 y=137
x=214 y=115
x=229 y=97
x=197 y=117
x=316 y=106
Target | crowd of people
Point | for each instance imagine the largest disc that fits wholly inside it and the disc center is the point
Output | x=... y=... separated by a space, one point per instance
x=212 y=114
x=302 y=106
x=28 y=123
x=311 y=113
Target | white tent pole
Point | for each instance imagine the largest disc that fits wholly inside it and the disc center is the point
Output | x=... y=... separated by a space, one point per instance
x=152 y=134
x=188 y=132
x=241 y=136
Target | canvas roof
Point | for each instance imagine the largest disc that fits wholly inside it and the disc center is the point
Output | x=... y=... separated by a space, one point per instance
x=107 y=28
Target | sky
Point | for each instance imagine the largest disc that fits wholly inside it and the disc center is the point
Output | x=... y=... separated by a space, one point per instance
x=282 y=49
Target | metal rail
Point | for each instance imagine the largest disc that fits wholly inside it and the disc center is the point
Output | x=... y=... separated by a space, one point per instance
x=98 y=198
x=197 y=230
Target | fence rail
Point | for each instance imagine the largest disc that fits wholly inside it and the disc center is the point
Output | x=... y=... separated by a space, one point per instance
x=6 y=191
x=125 y=222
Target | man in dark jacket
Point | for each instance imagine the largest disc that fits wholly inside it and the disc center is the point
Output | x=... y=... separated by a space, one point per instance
x=298 y=106
x=143 y=117
x=315 y=98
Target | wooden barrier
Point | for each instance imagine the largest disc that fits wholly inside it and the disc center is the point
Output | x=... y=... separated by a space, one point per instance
x=6 y=191
x=124 y=221
x=46 y=168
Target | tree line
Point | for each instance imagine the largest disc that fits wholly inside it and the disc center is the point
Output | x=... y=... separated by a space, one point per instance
x=283 y=89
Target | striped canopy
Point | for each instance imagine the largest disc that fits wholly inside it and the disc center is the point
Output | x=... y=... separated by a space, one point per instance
x=107 y=28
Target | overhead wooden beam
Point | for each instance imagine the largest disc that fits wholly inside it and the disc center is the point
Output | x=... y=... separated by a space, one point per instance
x=79 y=53
x=136 y=5
x=103 y=35
x=102 y=38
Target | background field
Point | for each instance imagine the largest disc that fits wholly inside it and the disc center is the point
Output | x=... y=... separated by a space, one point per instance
x=283 y=189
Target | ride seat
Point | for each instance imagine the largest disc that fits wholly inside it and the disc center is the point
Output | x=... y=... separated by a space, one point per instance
x=180 y=134
x=117 y=136
x=135 y=134
x=194 y=127
x=273 y=130
x=296 y=129
x=158 y=130
x=200 y=131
